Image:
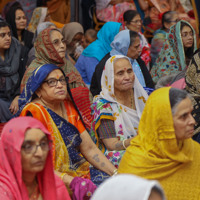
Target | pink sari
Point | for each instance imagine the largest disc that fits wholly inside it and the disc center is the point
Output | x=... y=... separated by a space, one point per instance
x=12 y=186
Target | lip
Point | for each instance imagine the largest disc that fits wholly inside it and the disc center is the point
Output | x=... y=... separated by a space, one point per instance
x=128 y=83
x=39 y=163
x=62 y=92
x=191 y=131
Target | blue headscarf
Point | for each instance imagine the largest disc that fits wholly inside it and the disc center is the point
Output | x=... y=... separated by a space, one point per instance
x=33 y=83
x=120 y=46
x=101 y=46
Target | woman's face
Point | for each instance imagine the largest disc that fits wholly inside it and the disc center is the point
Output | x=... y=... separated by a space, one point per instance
x=33 y=156
x=53 y=91
x=135 y=49
x=123 y=75
x=135 y=24
x=187 y=36
x=183 y=120
x=20 y=19
x=77 y=39
x=5 y=38
x=174 y=19
x=58 y=43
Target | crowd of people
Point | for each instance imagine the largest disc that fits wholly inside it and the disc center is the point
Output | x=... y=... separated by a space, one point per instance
x=100 y=114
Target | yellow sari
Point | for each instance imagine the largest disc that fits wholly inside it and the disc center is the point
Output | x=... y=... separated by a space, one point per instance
x=155 y=154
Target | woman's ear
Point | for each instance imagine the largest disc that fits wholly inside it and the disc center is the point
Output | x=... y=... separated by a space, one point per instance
x=38 y=92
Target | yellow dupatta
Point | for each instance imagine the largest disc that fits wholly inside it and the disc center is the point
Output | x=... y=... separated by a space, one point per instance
x=155 y=154
x=60 y=154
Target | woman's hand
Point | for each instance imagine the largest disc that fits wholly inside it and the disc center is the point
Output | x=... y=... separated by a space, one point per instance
x=14 y=107
x=67 y=179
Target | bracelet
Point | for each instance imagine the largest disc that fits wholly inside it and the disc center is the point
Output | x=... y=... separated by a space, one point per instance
x=123 y=143
x=62 y=176
x=114 y=172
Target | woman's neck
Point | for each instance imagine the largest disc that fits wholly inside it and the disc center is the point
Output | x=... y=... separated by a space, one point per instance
x=126 y=98
x=19 y=34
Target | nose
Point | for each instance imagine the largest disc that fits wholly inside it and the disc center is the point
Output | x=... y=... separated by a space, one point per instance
x=126 y=76
x=192 y=120
x=59 y=84
x=38 y=151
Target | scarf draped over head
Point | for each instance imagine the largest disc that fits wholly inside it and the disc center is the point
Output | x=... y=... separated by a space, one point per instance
x=9 y=68
x=38 y=16
x=33 y=83
x=12 y=185
x=120 y=46
x=192 y=77
x=101 y=46
x=126 y=186
x=172 y=55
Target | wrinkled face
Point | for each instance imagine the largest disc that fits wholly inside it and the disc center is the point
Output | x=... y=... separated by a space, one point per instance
x=87 y=40
x=33 y=162
x=187 y=36
x=135 y=49
x=123 y=75
x=5 y=37
x=20 y=20
x=58 y=43
x=53 y=94
x=135 y=24
x=183 y=120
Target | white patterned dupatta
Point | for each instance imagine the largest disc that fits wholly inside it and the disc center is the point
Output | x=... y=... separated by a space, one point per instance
x=126 y=120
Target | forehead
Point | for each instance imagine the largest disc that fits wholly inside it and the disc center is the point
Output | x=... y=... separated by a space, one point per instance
x=184 y=106
x=121 y=64
x=55 y=73
x=55 y=35
x=5 y=29
x=136 y=17
x=19 y=12
x=136 y=42
x=34 y=134
x=186 y=29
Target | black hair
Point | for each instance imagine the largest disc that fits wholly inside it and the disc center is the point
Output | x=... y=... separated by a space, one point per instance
x=129 y=15
x=166 y=18
x=175 y=97
x=133 y=36
x=189 y=51
x=4 y=24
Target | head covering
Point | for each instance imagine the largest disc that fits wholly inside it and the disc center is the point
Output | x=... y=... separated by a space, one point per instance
x=120 y=46
x=172 y=55
x=155 y=154
x=101 y=46
x=126 y=186
x=10 y=17
x=192 y=86
x=33 y=83
x=70 y=30
x=38 y=16
x=10 y=163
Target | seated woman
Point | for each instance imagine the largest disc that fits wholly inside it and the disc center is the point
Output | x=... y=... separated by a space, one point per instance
x=192 y=87
x=26 y=163
x=176 y=52
x=136 y=189
x=133 y=22
x=91 y=56
x=73 y=34
x=12 y=69
x=163 y=150
x=15 y=16
x=126 y=43
x=45 y=98
x=111 y=10
x=118 y=108
x=50 y=48
x=169 y=19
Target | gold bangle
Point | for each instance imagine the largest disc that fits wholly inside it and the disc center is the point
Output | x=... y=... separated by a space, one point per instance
x=123 y=143
x=62 y=176
x=114 y=172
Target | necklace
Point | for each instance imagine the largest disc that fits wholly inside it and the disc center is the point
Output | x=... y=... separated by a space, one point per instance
x=132 y=101
x=35 y=194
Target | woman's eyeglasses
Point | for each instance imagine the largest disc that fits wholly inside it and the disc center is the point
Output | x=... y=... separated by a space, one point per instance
x=31 y=148
x=52 y=82
x=139 y=21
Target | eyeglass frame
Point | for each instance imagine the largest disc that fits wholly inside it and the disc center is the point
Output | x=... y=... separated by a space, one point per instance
x=35 y=146
x=137 y=21
x=62 y=78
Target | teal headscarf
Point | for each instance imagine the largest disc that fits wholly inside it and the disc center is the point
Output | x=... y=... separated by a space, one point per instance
x=171 y=58
x=101 y=46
